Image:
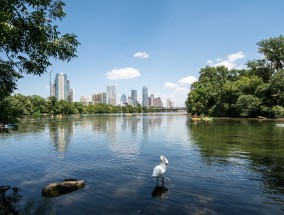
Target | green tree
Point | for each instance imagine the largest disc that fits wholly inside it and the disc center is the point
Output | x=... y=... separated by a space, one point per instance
x=277 y=88
x=52 y=105
x=38 y=103
x=273 y=51
x=247 y=105
x=29 y=38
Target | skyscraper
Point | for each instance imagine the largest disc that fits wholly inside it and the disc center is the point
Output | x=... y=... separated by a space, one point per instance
x=134 y=97
x=123 y=100
x=151 y=103
x=170 y=104
x=72 y=95
x=111 y=95
x=145 y=98
x=61 y=87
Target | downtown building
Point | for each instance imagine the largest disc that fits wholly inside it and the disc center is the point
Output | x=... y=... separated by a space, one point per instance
x=145 y=98
x=111 y=95
x=134 y=98
x=61 y=88
x=99 y=98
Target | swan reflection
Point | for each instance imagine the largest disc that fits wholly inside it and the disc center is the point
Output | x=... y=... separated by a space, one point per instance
x=160 y=192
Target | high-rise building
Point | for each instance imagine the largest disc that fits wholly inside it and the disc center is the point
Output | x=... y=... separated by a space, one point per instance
x=170 y=103
x=123 y=100
x=151 y=100
x=130 y=101
x=111 y=95
x=52 y=90
x=104 y=94
x=72 y=95
x=134 y=97
x=99 y=98
x=158 y=102
x=145 y=98
x=61 y=86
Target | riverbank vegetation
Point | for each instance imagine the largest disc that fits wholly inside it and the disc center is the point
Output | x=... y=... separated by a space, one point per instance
x=19 y=104
x=255 y=91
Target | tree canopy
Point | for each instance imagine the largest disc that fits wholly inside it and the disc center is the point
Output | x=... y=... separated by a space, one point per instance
x=29 y=38
x=257 y=90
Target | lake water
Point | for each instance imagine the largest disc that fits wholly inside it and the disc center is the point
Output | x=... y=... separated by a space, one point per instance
x=215 y=167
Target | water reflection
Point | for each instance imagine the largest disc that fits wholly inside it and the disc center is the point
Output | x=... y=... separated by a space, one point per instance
x=60 y=135
x=160 y=192
x=11 y=203
x=219 y=167
x=245 y=145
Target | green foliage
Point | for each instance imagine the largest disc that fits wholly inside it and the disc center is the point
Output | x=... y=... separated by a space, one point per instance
x=29 y=38
x=247 y=105
x=258 y=90
x=13 y=107
x=9 y=113
x=278 y=111
x=273 y=51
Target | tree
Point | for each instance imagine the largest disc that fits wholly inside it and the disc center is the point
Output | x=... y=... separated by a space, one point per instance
x=273 y=51
x=277 y=88
x=29 y=39
x=258 y=90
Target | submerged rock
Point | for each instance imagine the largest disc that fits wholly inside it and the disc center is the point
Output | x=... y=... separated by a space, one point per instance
x=63 y=187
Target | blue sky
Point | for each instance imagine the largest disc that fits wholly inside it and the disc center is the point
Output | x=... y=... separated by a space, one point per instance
x=160 y=44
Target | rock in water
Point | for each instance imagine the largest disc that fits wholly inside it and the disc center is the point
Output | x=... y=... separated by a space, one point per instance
x=63 y=187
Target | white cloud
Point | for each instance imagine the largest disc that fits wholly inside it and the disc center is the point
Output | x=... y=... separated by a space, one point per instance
x=142 y=55
x=229 y=62
x=123 y=73
x=233 y=57
x=170 y=85
x=187 y=80
x=179 y=96
x=181 y=91
x=226 y=63
x=210 y=62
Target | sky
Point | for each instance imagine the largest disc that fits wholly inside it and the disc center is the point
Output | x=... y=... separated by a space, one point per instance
x=160 y=44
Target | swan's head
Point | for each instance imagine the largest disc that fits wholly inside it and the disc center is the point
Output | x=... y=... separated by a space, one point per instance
x=164 y=160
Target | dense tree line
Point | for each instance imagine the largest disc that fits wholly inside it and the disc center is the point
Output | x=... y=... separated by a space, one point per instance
x=36 y=105
x=255 y=91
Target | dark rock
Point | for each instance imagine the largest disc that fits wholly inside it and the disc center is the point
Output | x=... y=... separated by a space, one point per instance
x=63 y=187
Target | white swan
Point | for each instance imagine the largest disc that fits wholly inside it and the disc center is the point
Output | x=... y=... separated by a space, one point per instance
x=160 y=170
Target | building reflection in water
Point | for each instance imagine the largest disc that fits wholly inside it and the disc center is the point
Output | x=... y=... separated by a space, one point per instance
x=60 y=134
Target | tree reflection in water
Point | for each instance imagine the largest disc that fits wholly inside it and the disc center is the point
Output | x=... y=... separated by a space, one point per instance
x=10 y=203
x=255 y=145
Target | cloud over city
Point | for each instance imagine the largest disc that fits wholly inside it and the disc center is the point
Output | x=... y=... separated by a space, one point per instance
x=187 y=80
x=229 y=62
x=180 y=90
x=170 y=85
x=142 y=55
x=123 y=73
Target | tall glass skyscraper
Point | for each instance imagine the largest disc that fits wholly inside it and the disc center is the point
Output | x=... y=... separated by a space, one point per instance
x=61 y=86
x=134 y=97
x=145 y=97
x=111 y=95
x=123 y=100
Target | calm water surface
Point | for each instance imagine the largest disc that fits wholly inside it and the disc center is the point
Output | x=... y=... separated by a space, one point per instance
x=219 y=167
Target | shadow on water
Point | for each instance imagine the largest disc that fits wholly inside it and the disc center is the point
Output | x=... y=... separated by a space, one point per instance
x=10 y=203
x=250 y=144
x=160 y=192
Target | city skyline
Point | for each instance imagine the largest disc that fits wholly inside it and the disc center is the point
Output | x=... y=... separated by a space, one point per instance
x=160 y=44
